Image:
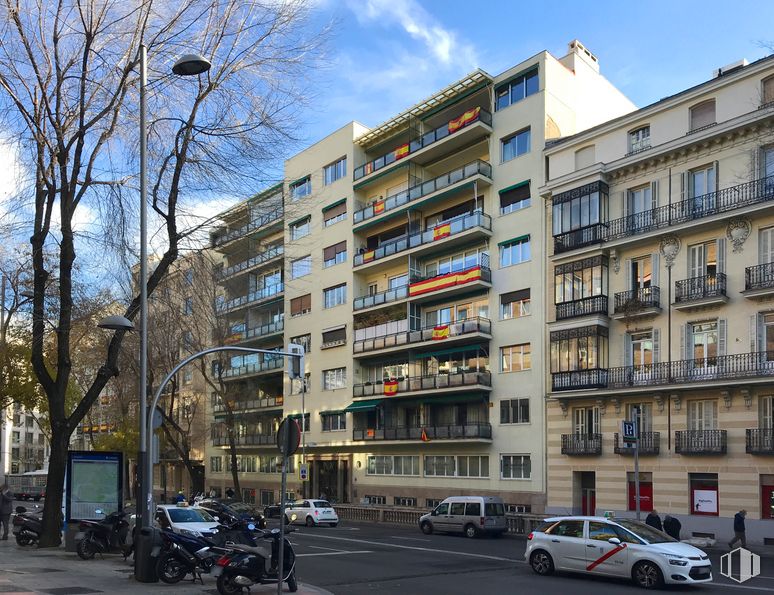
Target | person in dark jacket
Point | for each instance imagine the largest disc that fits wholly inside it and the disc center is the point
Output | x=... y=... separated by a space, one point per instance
x=6 y=507
x=672 y=527
x=739 y=529
x=654 y=520
x=180 y=497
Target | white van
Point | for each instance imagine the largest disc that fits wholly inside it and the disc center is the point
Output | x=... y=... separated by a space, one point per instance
x=471 y=515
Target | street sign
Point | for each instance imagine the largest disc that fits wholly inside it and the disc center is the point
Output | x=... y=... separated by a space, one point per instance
x=288 y=437
x=303 y=472
x=629 y=431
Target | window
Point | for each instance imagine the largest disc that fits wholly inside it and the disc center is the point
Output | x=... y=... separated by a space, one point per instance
x=188 y=306
x=514 y=411
x=335 y=254
x=515 y=145
x=639 y=139
x=334 y=214
x=333 y=422
x=431 y=503
x=646 y=491
x=16 y=435
x=702 y=115
x=393 y=465
x=303 y=340
x=301 y=188
x=641 y=350
x=639 y=202
x=473 y=466
x=516 y=358
x=15 y=453
x=704 y=493
x=567 y=529
x=515 y=304
x=187 y=376
x=305 y=425
x=301 y=228
x=703 y=415
x=216 y=464
x=375 y=500
x=404 y=501
x=271 y=464
x=518 y=508
x=603 y=531
x=515 y=467
x=188 y=340
x=522 y=86
x=334 y=338
x=515 y=198
x=585 y=421
x=267 y=497
x=439 y=466
x=583 y=348
x=30 y=421
x=585 y=157
x=335 y=171
x=393 y=282
x=454 y=263
x=41 y=439
x=579 y=280
x=301 y=305
x=335 y=296
x=301 y=267
x=768 y=91
x=580 y=208
x=702 y=344
x=334 y=378
x=515 y=251
x=188 y=276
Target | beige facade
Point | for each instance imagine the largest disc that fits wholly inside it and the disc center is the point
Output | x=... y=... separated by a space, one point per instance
x=659 y=306
x=413 y=253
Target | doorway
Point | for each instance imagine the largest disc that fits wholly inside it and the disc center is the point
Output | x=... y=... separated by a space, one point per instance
x=331 y=480
x=585 y=493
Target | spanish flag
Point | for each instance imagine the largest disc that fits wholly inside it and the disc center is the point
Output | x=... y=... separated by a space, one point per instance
x=390 y=387
x=369 y=168
x=378 y=207
x=231 y=339
x=469 y=116
x=424 y=436
x=441 y=231
x=368 y=256
x=444 y=281
x=401 y=151
x=441 y=332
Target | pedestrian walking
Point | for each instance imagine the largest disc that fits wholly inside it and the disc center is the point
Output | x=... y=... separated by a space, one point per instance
x=212 y=493
x=6 y=507
x=672 y=527
x=229 y=493
x=654 y=520
x=739 y=529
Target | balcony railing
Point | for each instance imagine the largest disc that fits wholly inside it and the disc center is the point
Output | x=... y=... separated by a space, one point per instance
x=699 y=288
x=596 y=304
x=581 y=444
x=265 y=403
x=257 y=368
x=256 y=260
x=438 y=232
x=257 y=332
x=436 y=332
x=255 y=296
x=415 y=145
x=380 y=298
x=423 y=189
x=760 y=441
x=648 y=444
x=636 y=300
x=443 y=432
x=759 y=277
x=246 y=440
x=701 y=442
x=255 y=224
x=420 y=383
x=722 y=201
x=422 y=285
x=579 y=379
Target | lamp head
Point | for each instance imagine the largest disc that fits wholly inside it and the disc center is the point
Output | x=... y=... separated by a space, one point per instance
x=191 y=65
x=116 y=323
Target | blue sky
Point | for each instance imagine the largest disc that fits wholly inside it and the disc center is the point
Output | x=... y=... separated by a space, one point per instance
x=386 y=55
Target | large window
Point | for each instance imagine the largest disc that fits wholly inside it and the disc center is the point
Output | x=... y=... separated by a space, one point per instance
x=301 y=267
x=515 y=145
x=335 y=254
x=515 y=304
x=639 y=139
x=440 y=466
x=216 y=464
x=515 y=467
x=457 y=466
x=304 y=340
x=515 y=251
x=334 y=422
x=300 y=228
x=704 y=493
x=576 y=349
x=514 y=411
x=581 y=279
x=335 y=296
x=455 y=263
x=334 y=378
x=301 y=305
x=515 y=198
x=703 y=415
x=702 y=115
x=335 y=171
x=522 y=86
x=585 y=421
x=392 y=465
x=301 y=188
x=579 y=208
x=516 y=358
x=335 y=213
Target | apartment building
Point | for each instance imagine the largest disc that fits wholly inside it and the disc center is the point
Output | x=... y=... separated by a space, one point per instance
x=28 y=447
x=413 y=252
x=659 y=307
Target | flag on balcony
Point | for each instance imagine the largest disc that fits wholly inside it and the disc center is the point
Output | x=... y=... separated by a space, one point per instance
x=378 y=207
x=401 y=151
x=369 y=255
x=231 y=339
x=424 y=436
x=441 y=231
x=369 y=168
x=444 y=281
x=440 y=332
x=390 y=387
x=469 y=116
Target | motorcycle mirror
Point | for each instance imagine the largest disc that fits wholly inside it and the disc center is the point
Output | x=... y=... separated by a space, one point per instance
x=251 y=527
x=98 y=511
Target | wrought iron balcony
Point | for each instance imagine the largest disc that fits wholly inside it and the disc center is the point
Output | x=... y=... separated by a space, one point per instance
x=582 y=444
x=252 y=298
x=442 y=432
x=759 y=441
x=442 y=382
x=637 y=301
x=699 y=289
x=444 y=332
x=381 y=298
x=579 y=238
x=254 y=225
x=701 y=442
x=759 y=277
x=248 y=405
x=648 y=444
x=258 y=259
x=579 y=379
x=596 y=304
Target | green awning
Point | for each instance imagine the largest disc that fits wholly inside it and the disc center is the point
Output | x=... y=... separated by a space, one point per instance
x=333 y=411
x=449 y=399
x=513 y=240
x=366 y=405
x=335 y=204
x=509 y=188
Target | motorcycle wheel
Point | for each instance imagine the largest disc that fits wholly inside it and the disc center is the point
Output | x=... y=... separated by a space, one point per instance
x=170 y=569
x=292 y=582
x=86 y=549
x=23 y=539
x=226 y=586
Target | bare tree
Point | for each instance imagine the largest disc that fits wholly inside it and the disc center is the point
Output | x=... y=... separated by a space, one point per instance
x=67 y=90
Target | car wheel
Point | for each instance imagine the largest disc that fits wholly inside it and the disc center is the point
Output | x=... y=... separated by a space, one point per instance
x=471 y=531
x=541 y=563
x=427 y=528
x=647 y=575
x=309 y=521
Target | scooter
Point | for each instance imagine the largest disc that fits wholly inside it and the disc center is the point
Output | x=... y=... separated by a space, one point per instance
x=105 y=536
x=27 y=526
x=246 y=566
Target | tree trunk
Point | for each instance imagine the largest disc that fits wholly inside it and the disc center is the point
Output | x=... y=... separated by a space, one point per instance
x=52 y=509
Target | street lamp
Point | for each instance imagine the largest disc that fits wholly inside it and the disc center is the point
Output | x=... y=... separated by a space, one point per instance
x=116 y=323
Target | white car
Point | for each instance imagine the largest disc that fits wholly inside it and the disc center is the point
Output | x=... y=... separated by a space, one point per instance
x=312 y=513
x=615 y=547
x=193 y=522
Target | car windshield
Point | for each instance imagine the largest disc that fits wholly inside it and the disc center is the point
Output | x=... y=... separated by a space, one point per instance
x=645 y=532
x=189 y=515
x=322 y=504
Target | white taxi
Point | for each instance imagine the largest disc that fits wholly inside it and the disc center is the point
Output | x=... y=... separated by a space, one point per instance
x=615 y=547
x=312 y=512
x=180 y=518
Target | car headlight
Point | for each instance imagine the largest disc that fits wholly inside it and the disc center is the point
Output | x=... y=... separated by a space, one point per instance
x=190 y=533
x=675 y=560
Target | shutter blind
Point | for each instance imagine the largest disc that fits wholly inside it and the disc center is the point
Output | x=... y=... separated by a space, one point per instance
x=654 y=194
x=722 y=341
x=656 y=345
x=335 y=211
x=753 y=333
x=654 y=259
x=339 y=334
x=628 y=350
x=683 y=186
x=721 y=255
x=628 y=273
x=514 y=296
x=300 y=304
x=716 y=166
x=509 y=197
x=329 y=253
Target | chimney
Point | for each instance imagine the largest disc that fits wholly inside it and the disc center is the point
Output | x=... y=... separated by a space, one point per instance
x=577 y=52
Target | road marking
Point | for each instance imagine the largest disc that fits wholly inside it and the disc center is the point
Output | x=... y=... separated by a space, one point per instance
x=330 y=549
x=415 y=548
x=408 y=538
x=334 y=553
x=746 y=587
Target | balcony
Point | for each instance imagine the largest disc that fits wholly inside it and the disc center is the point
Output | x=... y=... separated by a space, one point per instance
x=648 y=444
x=596 y=304
x=701 y=442
x=251 y=405
x=271 y=365
x=460 y=129
x=246 y=440
x=759 y=281
x=580 y=238
x=264 y=221
x=259 y=332
x=254 y=262
x=579 y=379
x=418 y=384
x=707 y=290
x=477 y=430
x=448 y=181
x=430 y=335
x=581 y=444
x=759 y=441
x=444 y=234
x=381 y=298
x=422 y=288
x=252 y=299
x=637 y=303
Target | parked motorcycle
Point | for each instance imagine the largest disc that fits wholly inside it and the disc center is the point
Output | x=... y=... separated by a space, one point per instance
x=27 y=526
x=104 y=536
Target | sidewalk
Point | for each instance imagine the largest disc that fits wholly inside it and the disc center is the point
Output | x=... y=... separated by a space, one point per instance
x=29 y=571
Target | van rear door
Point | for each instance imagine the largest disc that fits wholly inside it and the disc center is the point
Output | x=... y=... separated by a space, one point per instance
x=494 y=516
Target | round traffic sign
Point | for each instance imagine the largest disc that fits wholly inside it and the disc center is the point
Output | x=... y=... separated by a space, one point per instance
x=288 y=436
